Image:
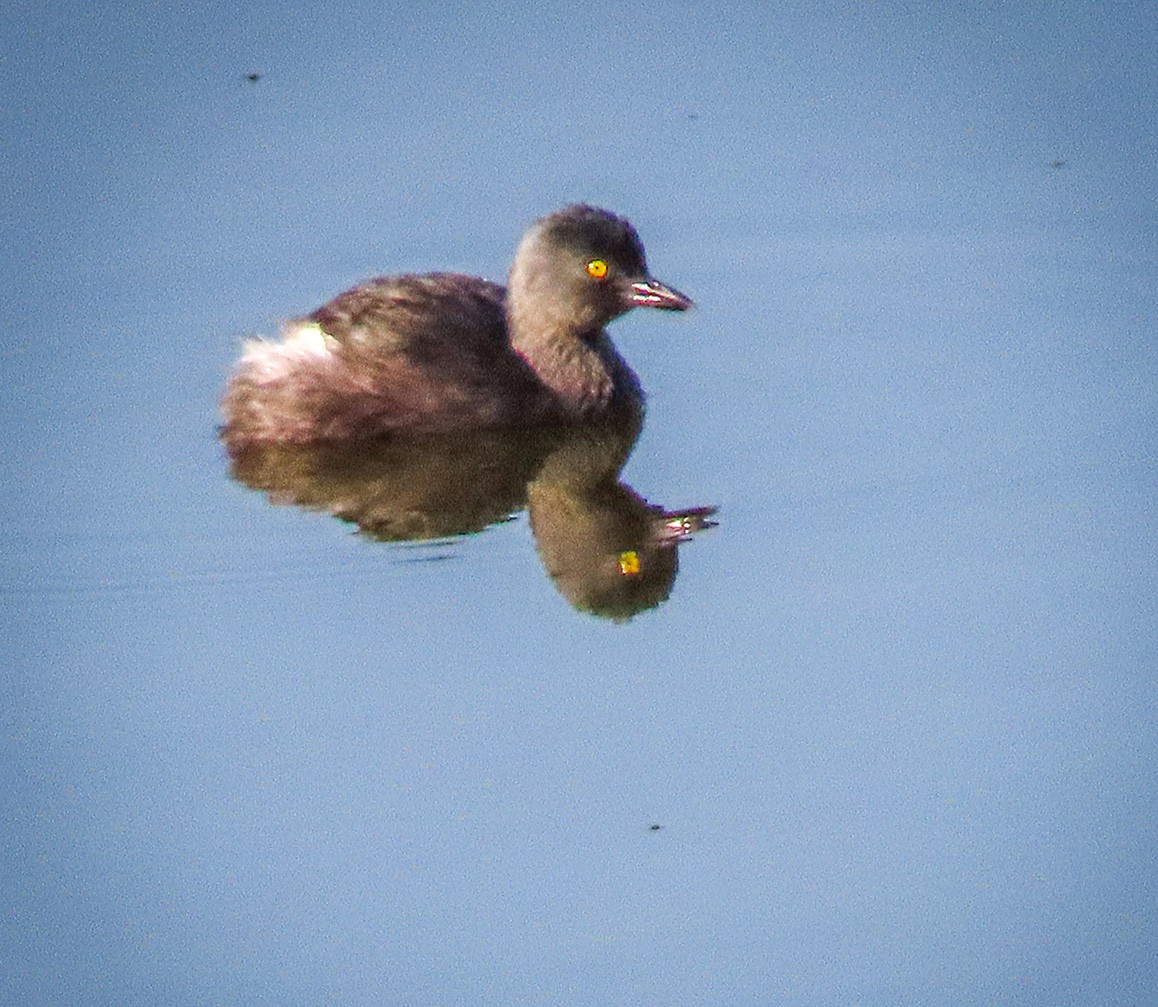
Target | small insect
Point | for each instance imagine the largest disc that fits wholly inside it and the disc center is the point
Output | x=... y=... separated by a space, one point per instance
x=654 y=827
x=253 y=78
x=1058 y=164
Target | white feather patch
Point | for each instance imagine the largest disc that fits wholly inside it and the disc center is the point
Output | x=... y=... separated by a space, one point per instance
x=302 y=342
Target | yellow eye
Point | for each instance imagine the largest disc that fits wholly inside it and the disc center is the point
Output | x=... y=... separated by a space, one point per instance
x=629 y=563
x=597 y=268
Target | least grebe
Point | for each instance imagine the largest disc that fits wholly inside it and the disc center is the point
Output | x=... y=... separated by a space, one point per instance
x=447 y=352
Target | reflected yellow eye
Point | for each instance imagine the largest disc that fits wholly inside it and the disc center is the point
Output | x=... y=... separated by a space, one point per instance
x=629 y=563
x=597 y=268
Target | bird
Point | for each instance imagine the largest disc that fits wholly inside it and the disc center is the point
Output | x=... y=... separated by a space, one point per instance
x=445 y=352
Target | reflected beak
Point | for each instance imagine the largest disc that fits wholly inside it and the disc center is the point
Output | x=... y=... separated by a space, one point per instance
x=651 y=293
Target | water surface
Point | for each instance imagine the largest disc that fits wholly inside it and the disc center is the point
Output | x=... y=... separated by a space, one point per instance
x=895 y=719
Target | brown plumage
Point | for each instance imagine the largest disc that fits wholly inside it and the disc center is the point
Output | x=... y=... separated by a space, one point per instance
x=446 y=352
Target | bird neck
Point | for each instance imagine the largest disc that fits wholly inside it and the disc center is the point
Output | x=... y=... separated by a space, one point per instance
x=580 y=368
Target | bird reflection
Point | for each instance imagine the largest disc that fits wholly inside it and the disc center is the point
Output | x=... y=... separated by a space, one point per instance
x=607 y=550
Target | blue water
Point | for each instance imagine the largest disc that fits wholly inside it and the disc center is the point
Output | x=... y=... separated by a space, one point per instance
x=896 y=719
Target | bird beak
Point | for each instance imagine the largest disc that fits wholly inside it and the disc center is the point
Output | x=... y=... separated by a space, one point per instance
x=651 y=293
